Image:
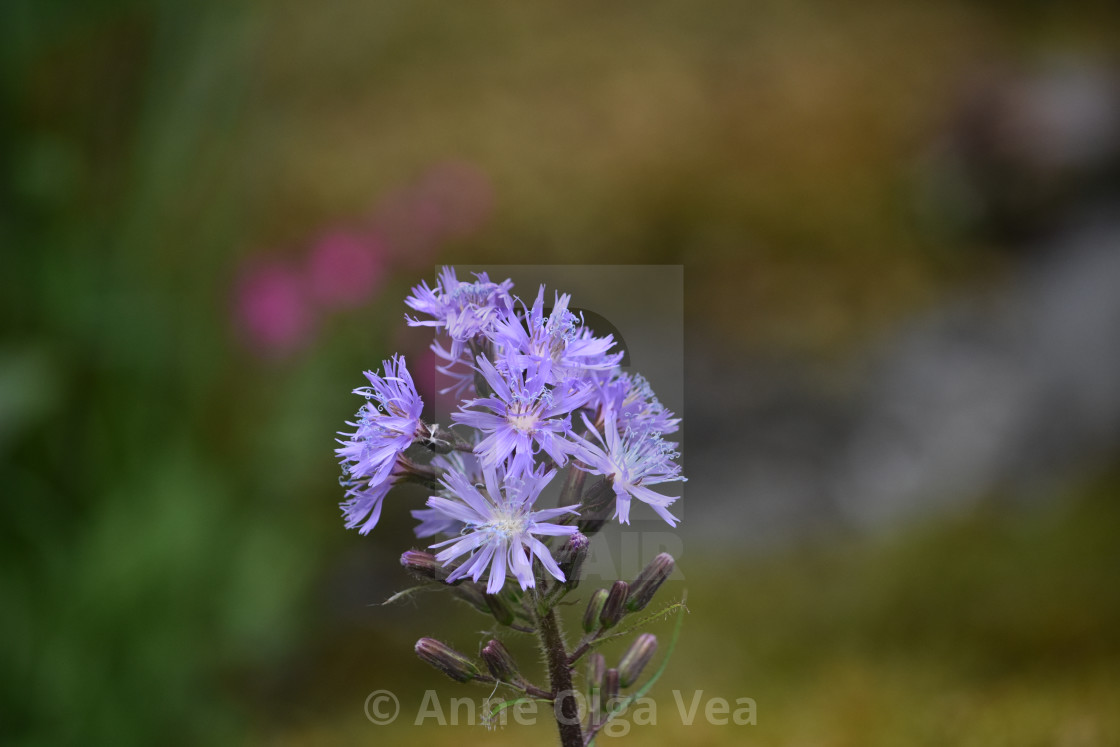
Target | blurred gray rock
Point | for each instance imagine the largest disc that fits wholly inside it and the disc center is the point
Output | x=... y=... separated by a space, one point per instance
x=1008 y=392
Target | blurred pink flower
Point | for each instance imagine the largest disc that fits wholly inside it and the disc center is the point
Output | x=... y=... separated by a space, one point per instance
x=451 y=200
x=271 y=307
x=345 y=268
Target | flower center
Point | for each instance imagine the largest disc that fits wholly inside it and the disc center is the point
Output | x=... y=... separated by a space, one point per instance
x=523 y=421
x=469 y=295
x=619 y=472
x=507 y=525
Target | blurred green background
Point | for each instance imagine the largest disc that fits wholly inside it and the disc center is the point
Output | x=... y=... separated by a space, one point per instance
x=211 y=212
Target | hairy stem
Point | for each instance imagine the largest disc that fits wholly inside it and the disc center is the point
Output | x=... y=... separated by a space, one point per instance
x=583 y=648
x=564 y=706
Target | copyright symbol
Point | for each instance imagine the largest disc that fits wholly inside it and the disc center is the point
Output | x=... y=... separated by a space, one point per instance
x=382 y=707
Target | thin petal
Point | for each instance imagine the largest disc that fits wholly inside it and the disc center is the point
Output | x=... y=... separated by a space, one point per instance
x=554 y=530
x=455 y=510
x=498 y=569
x=545 y=557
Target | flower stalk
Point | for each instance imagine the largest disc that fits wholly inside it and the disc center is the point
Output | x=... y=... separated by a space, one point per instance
x=565 y=706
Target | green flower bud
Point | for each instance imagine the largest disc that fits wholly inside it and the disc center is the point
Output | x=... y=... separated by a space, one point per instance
x=614 y=607
x=571 y=557
x=446 y=659
x=499 y=608
x=500 y=662
x=423 y=565
x=610 y=687
x=594 y=609
x=649 y=581
x=472 y=594
x=639 y=654
x=596 y=668
x=597 y=507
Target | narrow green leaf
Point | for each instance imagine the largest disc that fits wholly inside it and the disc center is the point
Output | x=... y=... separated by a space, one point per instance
x=507 y=703
x=406 y=593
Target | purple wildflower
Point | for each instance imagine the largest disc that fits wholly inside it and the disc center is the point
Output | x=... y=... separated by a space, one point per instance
x=464 y=310
x=459 y=461
x=633 y=460
x=458 y=369
x=526 y=416
x=559 y=343
x=387 y=424
x=433 y=522
x=636 y=405
x=501 y=529
x=363 y=502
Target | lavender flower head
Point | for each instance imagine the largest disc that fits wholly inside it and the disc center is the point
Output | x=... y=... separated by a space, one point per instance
x=559 y=346
x=526 y=416
x=636 y=407
x=362 y=507
x=385 y=427
x=501 y=527
x=463 y=310
x=632 y=459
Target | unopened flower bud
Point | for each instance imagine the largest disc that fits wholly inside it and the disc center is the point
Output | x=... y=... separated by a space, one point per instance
x=636 y=658
x=571 y=557
x=614 y=607
x=423 y=565
x=649 y=581
x=594 y=609
x=597 y=506
x=500 y=662
x=596 y=668
x=499 y=608
x=446 y=659
x=472 y=594
x=572 y=489
x=610 y=687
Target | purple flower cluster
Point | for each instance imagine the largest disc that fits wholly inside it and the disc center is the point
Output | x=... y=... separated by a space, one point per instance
x=540 y=393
